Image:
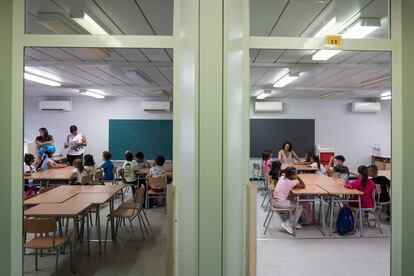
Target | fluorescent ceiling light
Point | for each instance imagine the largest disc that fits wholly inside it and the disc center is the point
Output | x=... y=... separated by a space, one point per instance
x=377 y=82
x=386 y=98
x=286 y=79
x=362 y=27
x=330 y=95
x=386 y=94
x=325 y=54
x=31 y=77
x=57 y=23
x=42 y=73
x=264 y=94
x=138 y=78
x=92 y=93
x=90 y=25
x=325 y=29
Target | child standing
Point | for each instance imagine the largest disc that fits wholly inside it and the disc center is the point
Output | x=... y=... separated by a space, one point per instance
x=266 y=162
x=281 y=194
x=107 y=166
x=365 y=185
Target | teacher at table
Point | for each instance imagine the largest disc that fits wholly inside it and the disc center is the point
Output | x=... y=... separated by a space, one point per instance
x=75 y=144
x=287 y=155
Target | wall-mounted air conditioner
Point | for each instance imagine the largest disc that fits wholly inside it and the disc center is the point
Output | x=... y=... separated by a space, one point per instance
x=55 y=105
x=366 y=107
x=156 y=106
x=268 y=106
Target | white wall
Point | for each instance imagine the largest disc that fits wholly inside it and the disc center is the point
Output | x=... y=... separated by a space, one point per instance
x=351 y=134
x=90 y=115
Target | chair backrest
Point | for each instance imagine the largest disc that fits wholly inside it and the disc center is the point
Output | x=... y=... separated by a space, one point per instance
x=376 y=193
x=168 y=167
x=87 y=179
x=42 y=226
x=257 y=169
x=157 y=182
x=139 y=196
x=99 y=177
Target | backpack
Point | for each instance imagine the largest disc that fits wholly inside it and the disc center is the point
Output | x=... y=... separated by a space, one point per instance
x=345 y=221
x=307 y=217
x=43 y=149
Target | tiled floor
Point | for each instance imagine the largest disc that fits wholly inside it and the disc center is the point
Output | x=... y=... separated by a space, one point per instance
x=311 y=254
x=120 y=258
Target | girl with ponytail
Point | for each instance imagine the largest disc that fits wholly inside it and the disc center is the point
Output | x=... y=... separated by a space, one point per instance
x=365 y=185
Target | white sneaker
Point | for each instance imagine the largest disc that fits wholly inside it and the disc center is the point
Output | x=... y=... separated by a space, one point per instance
x=298 y=225
x=287 y=227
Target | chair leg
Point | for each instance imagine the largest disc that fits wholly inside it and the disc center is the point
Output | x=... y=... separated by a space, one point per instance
x=133 y=233
x=146 y=218
x=71 y=255
x=267 y=226
x=143 y=222
x=57 y=261
x=140 y=226
x=36 y=261
x=264 y=199
x=377 y=221
x=268 y=214
x=106 y=232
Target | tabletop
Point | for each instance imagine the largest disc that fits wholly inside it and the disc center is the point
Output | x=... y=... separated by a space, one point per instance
x=299 y=167
x=340 y=190
x=320 y=180
x=52 y=174
x=64 y=209
x=57 y=195
x=91 y=198
x=105 y=188
x=309 y=190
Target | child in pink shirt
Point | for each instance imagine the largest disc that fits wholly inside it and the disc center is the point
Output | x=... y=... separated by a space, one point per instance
x=281 y=194
x=266 y=163
x=364 y=185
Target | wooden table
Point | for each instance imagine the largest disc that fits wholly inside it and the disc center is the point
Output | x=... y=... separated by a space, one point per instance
x=299 y=167
x=63 y=174
x=58 y=210
x=309 y=194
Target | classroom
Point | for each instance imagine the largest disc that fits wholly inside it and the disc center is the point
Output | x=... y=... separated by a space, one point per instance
x=206 y=137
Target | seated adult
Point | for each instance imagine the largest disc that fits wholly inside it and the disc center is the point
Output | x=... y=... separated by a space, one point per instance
x=287 y=155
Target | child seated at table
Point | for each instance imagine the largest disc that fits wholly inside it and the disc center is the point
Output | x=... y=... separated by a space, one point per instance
x=89 y=165
x=336 y=166
x=128 y=172
x=158 y=169
x=316 y=164
x=274 y=174
x=79 y=171
x=47 y=162
x=266 y=162
x=383 y=181
x=29 y=167
x=365 y=185
x=281 y=194
x=107 y=166
x=140 y=161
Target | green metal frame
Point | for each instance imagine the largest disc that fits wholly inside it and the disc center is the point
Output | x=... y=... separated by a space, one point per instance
x=211 y=120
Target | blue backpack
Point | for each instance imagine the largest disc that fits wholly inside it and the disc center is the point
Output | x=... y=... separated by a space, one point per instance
x=345 y=221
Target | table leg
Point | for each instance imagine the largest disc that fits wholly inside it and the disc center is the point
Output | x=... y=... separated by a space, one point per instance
x=360 y=215
x=321 y=212
x=98 y=217
x=111 y=209
x=87 y=231
x=294 y=217
x=76 y=230
x=331 y=220
x=313 y=210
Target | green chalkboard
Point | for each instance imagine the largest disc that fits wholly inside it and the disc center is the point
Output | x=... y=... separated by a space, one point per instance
x=152 y=137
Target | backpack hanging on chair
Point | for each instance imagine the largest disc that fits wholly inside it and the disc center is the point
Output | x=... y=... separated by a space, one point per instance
x=345 y=222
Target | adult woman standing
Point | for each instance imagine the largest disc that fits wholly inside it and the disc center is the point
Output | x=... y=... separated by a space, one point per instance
x=43 y=142
x=287 y=155
x=75 y=144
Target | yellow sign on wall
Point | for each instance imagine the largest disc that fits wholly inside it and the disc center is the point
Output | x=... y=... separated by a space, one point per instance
x=334 y=41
